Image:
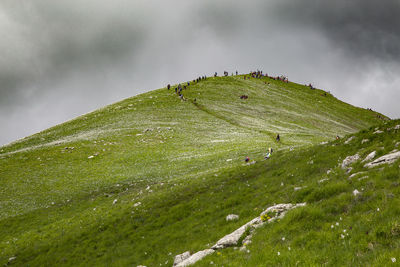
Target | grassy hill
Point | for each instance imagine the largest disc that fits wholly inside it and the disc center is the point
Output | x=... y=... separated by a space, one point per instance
x=152 y=176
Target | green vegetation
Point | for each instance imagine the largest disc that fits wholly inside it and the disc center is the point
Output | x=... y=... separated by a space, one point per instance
x=150 y=177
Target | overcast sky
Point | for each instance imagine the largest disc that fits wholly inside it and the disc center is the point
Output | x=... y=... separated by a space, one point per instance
x=60 y=59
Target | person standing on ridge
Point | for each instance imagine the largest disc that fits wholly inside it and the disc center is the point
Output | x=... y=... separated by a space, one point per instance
x=278 y=138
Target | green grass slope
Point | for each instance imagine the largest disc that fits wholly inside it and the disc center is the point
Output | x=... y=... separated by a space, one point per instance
x=152 y=176
x=337 y=227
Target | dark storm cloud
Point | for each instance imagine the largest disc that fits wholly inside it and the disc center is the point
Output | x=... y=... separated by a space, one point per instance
x=55 y=40
x=363 y=28
x=64 y=58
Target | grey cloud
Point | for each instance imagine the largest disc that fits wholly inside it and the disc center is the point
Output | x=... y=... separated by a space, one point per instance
x=70 y=57
x=363 y=28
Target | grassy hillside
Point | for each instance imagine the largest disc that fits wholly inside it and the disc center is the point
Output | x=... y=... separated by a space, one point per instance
x=147 y=178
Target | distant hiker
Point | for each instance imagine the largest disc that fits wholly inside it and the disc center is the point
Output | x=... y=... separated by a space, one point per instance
x=278 y=138
x=268 y=155
x=188 y=83
x=236 y=72
x=270 y=150
x=176 y=89
x=247 y=159
x=215 y=74
x=168 y=86
x=337 y=137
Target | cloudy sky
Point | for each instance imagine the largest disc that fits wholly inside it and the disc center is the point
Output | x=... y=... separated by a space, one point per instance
x=60 y=59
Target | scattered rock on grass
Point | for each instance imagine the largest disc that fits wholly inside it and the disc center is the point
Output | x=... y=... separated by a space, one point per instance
x=233 y=238
x=232 y=217
x=355 y=174
x=350 y=160
x=349 y=140
x=386 y=159
x=378 y=132
x=181 y=257
x=364 y=141
x=195 y=258
x=356 y=192
x=323 y=180
x=370 y=156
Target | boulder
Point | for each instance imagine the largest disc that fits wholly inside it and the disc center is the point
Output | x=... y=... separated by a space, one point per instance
x=349 y=140
x=232 y=217
x=355 y=174
x=181 y=257
x=350 y=160
x=231 y=239
x=386 y=159
x=370 y=156
x=195 y=258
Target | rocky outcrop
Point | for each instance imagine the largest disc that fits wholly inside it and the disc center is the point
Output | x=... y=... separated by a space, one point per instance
x=349 y=140
x=350 y=160
x=232 y=217
x=370 y=156
x=232 y=239
x=181 y=257
x=386 y=159
x=195 y=258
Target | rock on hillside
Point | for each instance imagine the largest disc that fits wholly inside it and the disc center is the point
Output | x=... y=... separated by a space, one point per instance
x=386 y=159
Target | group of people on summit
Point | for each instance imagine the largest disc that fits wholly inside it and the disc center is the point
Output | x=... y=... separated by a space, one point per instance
x=254 y=74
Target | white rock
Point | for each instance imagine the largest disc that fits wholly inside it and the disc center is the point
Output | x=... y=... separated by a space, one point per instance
x=364 y=141
x=232 y=217
x=11 y=259
x=231 y=239
x=90 y=157
x=397 y=127
x=363 y=178
x=349 y=140
x=324 y=143
x=356 y=192
x=370 y=156
x=378 y=132
x=181 y=257
x=323 y=180
x=137 y=204
x=195 y=257
x=298 y=188
x=229 y=160
x=350 y=160
x=386 y=159
x=115 y=201
x=355 y=174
